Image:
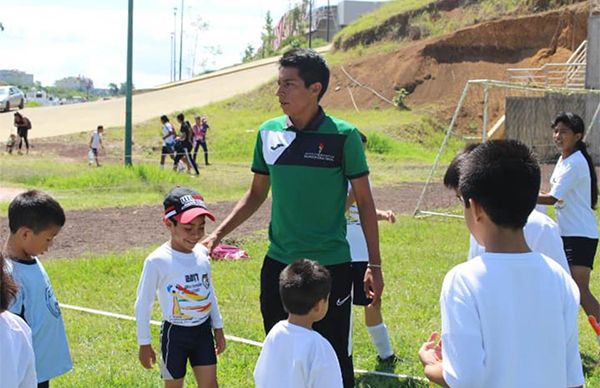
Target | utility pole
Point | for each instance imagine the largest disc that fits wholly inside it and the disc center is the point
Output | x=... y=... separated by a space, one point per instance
x=128 y=91
x=174 y=43
x=181 y=41
x=170 y=58
x=328 y=17
x=309 y=23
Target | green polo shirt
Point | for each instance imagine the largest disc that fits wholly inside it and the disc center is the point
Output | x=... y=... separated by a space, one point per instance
x=309 y=171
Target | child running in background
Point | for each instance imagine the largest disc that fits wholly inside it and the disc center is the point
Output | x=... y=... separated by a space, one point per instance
x=179 y=271
x=96 y=142
x=378 y=331
x=17 y=361
x=34 y=220
x=574 y=194
x=168 y=140
x=509 y=316
x=294 y=355
x=541 y=232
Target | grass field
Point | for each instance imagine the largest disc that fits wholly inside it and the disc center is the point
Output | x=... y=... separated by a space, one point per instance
x=416 y=252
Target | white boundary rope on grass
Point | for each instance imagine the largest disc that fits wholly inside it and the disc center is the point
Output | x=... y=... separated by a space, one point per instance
x=230 y=338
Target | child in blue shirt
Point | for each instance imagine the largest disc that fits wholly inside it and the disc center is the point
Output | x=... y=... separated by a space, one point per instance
x=34 y=220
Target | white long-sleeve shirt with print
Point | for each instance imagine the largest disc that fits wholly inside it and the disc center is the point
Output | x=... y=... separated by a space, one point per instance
x=183 y=282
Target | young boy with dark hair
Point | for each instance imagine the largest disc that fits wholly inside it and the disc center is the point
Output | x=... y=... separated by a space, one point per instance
x=96 y=142
x=509 y=316
x=179 y=271
x=294 y=355
x=541 y=232
x=34 y=220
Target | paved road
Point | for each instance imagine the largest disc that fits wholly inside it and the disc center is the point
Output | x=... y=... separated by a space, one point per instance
x=66 y=119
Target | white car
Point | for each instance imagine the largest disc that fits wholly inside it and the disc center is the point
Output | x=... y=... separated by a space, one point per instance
x=10 y=97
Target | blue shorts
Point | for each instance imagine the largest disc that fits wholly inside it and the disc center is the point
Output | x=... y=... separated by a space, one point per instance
x=178 y=344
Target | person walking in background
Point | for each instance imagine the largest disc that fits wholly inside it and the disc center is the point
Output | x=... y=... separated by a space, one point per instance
x=183 y=147
x=574 y=194
x=168 y=140
x=95 y=142
x=23 y=125
x=199 y=129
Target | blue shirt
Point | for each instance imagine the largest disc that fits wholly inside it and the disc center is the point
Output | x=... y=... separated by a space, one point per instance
x=37 y=305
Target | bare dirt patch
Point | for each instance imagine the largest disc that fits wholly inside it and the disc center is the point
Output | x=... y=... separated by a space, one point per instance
x=98 y=231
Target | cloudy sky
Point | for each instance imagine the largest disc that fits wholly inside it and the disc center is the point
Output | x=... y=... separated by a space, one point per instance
x=60 y=38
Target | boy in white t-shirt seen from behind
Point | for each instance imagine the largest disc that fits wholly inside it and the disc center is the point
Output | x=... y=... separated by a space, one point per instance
x=541 y=232
x=179 y=272
x=294 y=355
x=509 y=316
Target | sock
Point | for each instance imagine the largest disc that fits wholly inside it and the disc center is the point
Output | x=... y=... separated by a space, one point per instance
x=381 y=340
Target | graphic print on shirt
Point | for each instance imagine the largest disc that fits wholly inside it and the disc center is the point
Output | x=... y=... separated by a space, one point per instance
x=275 y=143
x=51 y=301
x=190 y=295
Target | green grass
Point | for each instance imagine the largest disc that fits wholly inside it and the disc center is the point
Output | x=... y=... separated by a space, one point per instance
x=401 y=148
x=375 y=18
x=417 y=253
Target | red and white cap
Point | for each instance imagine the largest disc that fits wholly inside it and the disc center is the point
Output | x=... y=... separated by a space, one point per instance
x=183 y=205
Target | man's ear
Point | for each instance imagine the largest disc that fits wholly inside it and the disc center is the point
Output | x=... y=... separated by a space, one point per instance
x=316 y=88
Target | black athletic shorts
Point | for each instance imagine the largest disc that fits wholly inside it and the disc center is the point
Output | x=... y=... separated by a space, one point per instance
x=359 y=298
x=95 y=151
x=168 y=150
x=580 y=250
x=178 y=344
x=335 y=327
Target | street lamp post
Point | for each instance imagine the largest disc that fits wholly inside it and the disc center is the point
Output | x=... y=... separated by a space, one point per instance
x=328 y=17
x=174 y=43
x=181 y=41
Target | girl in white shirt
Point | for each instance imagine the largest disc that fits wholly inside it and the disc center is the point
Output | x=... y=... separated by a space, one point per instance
x=17 y=362
x=574 y=194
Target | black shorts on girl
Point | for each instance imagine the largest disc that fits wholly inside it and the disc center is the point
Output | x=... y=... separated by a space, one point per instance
x=178 y=344
x=580 y=250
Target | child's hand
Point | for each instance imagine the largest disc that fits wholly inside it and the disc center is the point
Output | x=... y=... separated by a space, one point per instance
x=220 y=342
x=386 y=215
x=431 y=352
x=147 y=356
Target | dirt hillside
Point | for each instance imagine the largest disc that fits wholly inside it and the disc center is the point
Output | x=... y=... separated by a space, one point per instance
x=435 y=70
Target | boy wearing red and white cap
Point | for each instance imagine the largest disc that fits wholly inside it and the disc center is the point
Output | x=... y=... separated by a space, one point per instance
x=179 y=271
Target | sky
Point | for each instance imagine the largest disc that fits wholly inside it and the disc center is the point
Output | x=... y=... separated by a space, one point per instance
x=60 y=38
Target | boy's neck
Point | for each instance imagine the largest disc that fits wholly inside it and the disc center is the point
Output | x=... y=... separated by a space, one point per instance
x=13 y=250
x=306 y=321
x=505 y=240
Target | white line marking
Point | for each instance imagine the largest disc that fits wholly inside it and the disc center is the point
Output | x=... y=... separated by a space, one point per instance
x=229 y=337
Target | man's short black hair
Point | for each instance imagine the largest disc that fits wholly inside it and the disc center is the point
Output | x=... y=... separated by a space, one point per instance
x=504 y=178
x=164 y=119
x=452 y=175
x=311 y=67
x=35 y=210
x=180 y=117
x=302 y=285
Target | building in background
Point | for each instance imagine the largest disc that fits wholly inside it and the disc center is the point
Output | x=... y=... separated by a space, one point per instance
x=16 y=77
x=296 y=21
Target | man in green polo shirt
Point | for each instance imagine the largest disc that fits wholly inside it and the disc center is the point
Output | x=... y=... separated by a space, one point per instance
x=307 y=158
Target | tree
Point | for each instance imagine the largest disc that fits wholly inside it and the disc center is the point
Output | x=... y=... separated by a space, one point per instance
x=248 y=53
x=267 y=36
x=114 y=89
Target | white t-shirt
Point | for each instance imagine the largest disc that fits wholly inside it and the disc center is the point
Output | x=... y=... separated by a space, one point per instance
x=510 y=320
x=17 y=362
x=183 y=282
x=571 y=185
x=166 y=130
x=96 y=139
x=296 y=357
x=542 y=235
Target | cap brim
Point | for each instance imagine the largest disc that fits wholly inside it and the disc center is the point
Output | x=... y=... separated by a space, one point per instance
x=188 y=216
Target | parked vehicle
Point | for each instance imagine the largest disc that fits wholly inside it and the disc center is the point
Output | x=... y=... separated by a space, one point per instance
x=10 y=97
